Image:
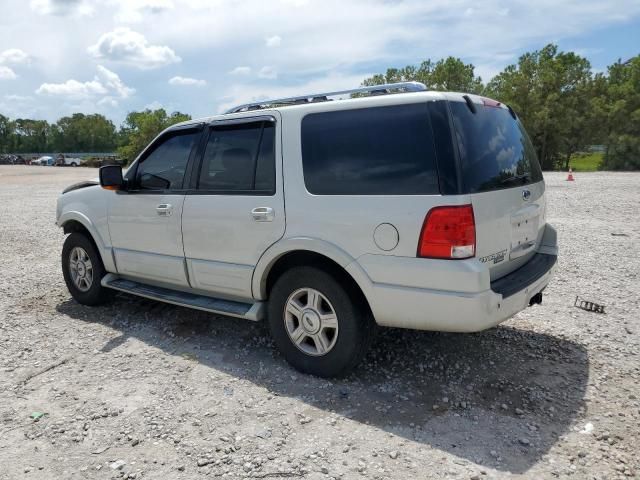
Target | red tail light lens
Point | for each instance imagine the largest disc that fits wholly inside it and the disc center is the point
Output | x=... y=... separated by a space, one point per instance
x=448 y=232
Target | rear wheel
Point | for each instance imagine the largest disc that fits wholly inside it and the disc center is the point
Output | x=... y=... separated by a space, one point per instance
x=74 y=164
x=319 y=326
x=83 y=270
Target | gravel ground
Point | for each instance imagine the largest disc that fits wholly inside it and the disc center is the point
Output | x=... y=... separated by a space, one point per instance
x=138 y=389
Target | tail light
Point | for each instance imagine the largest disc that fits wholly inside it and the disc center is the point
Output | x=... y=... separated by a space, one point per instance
x=487 y=102
x=448 y=232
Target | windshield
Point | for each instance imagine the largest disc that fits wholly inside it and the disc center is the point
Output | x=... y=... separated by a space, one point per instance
x=495 y=150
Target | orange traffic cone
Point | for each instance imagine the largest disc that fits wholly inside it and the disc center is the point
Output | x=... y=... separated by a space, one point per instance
x=570 y=177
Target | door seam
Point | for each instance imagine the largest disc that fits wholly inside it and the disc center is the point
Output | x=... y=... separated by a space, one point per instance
x=184 y=253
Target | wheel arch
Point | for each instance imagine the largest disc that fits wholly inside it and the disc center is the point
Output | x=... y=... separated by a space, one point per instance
x=75 y=222
x=304 y=251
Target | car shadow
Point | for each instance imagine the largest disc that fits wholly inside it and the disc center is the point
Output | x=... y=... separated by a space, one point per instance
x=500 y=398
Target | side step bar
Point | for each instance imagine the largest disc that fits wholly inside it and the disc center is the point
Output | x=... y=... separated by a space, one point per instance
x=249 y=311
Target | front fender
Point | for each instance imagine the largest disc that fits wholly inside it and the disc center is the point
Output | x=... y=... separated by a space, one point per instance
x=322 y=247
x=81 y=218
x=104 y=250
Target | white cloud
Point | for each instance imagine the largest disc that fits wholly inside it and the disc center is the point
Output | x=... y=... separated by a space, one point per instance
x=268 y=72
x=61 y=7
x=106 y=83
x=295 y=3
x=274 y=41
x=134 y=11
x=155 y=105
x=186 y=81
x=6 y=73
x=14 y=56
x=126 y=46
x=240 y=71
x=19 y=98
x=112 y=81
x=108 y=102
x=73 y=89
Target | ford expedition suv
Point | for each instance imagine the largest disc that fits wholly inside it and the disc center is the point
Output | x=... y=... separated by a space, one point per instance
x=324 y=215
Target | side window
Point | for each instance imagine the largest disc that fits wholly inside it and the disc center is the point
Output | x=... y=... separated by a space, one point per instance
x=164 y=167
x=240 y=158
x=370 y=151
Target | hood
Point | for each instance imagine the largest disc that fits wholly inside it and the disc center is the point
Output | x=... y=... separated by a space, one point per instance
x=79 y=185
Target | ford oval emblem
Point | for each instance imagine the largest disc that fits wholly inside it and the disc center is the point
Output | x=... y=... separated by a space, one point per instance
x=526 y=194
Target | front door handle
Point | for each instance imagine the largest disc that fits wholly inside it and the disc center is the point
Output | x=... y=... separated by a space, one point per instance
x=164 y=209
x=262 y=214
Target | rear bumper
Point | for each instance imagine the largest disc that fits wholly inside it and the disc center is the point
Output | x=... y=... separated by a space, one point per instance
x=536 y=268
x=462 y=311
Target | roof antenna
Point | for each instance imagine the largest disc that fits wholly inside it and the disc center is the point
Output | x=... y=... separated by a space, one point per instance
x=470 y=103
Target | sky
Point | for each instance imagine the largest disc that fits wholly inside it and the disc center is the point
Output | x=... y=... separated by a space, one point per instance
x=202 y=57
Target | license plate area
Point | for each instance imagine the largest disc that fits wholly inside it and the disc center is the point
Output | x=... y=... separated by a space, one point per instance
x=524 y=230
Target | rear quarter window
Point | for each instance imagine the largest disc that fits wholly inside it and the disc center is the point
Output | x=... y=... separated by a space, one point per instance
x=495 y=151
x=370 y=151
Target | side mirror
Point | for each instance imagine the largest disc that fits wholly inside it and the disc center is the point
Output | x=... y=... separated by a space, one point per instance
x=111 y=177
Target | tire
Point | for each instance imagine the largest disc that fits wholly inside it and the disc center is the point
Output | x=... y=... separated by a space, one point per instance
x=88 y=292
x=347 y=343
x=74 y=164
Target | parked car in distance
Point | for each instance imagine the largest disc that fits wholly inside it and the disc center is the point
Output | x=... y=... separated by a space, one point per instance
x=9 y=159
x=43 y=161
x=64 y=161
x=401 y=207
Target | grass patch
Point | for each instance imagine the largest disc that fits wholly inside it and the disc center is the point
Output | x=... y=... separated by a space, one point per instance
x=586 y=162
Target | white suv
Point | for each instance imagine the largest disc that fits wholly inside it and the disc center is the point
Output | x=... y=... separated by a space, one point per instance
x=324 y=215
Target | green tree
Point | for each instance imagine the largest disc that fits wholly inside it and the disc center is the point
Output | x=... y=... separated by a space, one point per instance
x=140 y=128
x=31 y=135
x=84 y=133
x=550 y=91
x=620 y=110
x=450 y=74
x=6 y=134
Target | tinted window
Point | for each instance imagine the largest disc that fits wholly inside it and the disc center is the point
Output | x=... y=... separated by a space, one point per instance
x=240 y=158
x=372 y=151
x=164 y=167
x=444 y=142
x=495 y=151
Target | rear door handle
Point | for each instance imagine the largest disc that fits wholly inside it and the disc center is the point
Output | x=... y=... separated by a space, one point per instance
x=262 y=214
x=164 y=209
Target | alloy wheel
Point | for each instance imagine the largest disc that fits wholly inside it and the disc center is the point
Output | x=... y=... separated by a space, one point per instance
x=311 y=321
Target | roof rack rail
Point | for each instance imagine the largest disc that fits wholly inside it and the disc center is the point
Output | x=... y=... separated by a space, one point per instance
x=323 y=97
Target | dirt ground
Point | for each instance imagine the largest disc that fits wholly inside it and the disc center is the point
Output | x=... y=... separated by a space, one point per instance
x=138 y=389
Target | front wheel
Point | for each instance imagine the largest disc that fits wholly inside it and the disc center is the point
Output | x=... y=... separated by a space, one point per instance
x=320 y=327
x=83 y=270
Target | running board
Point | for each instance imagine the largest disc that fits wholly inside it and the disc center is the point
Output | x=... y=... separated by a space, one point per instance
x=250 y=311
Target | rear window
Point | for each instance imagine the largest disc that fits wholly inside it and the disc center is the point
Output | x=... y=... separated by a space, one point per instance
x=495 y=151
x=370 y=151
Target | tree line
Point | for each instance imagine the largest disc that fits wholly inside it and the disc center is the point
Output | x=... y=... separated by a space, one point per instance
x=564 y=105
x=80 y=133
